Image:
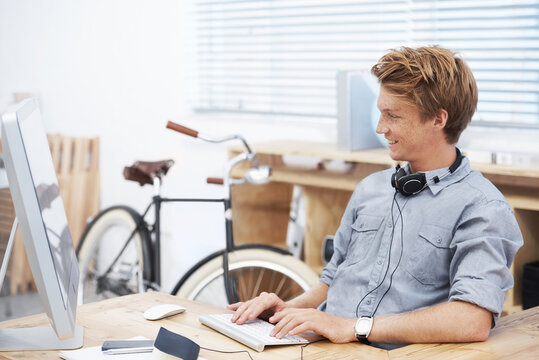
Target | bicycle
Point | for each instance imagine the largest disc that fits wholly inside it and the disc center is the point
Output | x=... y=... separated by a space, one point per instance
x=110 y=267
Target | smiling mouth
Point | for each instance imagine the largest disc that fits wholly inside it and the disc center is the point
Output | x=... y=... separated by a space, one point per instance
x=392 y=142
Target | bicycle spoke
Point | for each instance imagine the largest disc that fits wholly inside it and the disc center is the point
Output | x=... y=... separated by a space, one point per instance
x=284 y=295
x=257 y=286
x=255 y=271
x=272 y=282
x=121 y=252
x=251 y=279
x=281 y=283
x=109 y=268
x=244 y=290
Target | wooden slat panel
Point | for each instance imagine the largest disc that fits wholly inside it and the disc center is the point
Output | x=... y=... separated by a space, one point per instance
x=55 y=144
x=94 y=155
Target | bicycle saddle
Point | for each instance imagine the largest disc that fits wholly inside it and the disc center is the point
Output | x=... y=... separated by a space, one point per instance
x=144 y=172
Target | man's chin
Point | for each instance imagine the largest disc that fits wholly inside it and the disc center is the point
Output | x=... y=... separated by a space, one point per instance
x=395 y=156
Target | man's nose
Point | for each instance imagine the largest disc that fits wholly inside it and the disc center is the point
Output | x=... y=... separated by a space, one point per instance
x=381 y=128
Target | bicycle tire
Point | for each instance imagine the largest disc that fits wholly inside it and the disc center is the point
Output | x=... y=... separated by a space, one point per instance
x=99 y=245
x=256 y=268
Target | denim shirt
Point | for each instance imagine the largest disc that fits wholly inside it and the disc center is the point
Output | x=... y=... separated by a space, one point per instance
x=455 y=240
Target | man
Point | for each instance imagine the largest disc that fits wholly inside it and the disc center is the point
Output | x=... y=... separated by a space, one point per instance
x=423 y=252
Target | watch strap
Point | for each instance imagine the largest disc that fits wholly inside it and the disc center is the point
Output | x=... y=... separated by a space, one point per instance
x=363 y=338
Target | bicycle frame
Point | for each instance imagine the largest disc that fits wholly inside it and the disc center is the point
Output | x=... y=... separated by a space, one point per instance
x=155 y=229
x=155 y=232
x=158 y=200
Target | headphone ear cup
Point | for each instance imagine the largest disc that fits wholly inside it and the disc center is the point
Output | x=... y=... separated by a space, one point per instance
x=396 y=179
x=412 y=184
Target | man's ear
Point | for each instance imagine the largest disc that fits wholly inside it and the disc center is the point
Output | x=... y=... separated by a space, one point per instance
x=440 y=119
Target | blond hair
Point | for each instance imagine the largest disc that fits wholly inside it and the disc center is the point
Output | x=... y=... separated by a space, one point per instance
x=431 y=78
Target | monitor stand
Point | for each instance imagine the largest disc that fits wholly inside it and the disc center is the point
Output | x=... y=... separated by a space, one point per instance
x=38 y=338
x=34 y=338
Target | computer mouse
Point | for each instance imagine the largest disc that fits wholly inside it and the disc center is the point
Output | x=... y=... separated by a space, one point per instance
x=162 y=311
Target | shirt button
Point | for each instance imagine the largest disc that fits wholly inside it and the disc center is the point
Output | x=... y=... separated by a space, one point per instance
x=379 y=262
x=438 y=240
x=389 y=224
x=368 y=302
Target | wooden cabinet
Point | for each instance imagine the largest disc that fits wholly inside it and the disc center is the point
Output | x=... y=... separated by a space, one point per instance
x=261 y=213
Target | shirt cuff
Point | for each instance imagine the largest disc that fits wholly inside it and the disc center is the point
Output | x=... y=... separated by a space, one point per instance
x=326 y=277
x=481 y=293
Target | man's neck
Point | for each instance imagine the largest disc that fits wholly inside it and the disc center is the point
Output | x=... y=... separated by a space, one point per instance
x=440 y=157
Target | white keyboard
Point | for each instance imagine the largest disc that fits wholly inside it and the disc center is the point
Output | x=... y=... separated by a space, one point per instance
x=253 y=333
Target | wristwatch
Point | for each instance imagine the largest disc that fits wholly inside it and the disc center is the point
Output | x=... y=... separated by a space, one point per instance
x=363 y=329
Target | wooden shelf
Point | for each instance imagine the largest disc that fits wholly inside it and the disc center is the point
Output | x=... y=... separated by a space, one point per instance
x=319 y=150
x=327 y=193
x=523 y=176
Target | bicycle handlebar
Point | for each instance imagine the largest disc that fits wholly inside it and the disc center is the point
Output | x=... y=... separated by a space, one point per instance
x=183 y=129
x=216 y=181
x=187 y=131
x=258 y=175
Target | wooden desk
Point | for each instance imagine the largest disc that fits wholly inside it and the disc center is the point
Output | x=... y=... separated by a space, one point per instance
x=516 y=336
x=261 y=213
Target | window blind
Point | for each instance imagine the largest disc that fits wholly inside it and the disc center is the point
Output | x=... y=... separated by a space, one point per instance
x=281 y=56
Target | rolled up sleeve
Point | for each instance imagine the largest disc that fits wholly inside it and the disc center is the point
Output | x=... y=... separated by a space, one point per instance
x=484 y=245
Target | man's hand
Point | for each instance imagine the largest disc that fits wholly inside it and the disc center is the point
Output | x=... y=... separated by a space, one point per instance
x=263 y=306
x=293 y=321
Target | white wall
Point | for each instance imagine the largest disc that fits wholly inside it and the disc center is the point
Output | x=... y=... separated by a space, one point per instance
x=117 y=69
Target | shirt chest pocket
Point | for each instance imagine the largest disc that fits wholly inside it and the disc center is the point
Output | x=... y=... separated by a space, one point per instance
x=364 y=230
x=430 y=256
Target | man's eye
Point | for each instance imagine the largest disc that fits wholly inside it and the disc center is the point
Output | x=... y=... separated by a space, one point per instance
x=392 y=116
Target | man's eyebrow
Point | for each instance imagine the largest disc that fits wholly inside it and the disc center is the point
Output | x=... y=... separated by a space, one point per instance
x=390 y=109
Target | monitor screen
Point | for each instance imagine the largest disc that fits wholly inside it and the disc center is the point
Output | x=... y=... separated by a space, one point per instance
x=47 y=193
x=44 y=229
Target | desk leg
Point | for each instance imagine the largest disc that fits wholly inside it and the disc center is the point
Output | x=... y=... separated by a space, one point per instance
x=324 y=209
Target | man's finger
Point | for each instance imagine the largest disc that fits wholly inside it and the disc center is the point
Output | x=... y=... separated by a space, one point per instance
x=234 y=306
x=240 y=311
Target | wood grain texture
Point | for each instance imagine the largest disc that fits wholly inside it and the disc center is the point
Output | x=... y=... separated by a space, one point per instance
x=324 y=209
x=515 y=336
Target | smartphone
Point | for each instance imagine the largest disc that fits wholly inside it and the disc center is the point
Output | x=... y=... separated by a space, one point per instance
x=127 y=346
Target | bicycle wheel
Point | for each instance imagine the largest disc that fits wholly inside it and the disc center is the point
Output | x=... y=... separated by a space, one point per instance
x=254 y=269
x=102 y=241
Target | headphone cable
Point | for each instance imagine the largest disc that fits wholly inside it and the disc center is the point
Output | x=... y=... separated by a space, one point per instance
x=229 y=352
x=389 y=256
x=249 y=354
x=398 y=262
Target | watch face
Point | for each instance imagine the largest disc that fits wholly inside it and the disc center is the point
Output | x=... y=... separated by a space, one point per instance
x=362 y=326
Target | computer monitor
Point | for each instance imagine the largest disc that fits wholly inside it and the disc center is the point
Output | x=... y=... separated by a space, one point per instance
x=357 y=111
x=43 y=225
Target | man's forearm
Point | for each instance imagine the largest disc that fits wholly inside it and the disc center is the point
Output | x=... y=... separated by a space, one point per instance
x=454 y=321
x=311 y=298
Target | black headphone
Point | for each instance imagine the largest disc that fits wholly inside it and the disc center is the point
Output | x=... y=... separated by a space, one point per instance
x=414 y=183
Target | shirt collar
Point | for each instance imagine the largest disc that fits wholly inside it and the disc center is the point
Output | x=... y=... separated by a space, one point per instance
x=445 y=177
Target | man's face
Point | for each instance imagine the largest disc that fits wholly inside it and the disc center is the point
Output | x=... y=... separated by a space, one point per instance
x=407 y=135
